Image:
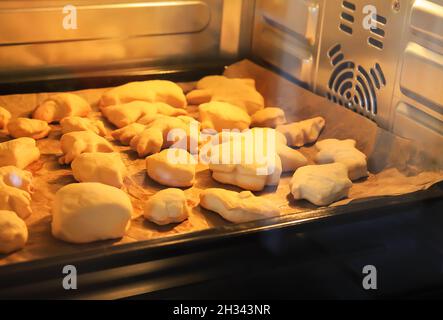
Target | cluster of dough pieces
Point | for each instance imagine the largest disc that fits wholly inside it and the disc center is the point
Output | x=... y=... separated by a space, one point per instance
x=145 y=113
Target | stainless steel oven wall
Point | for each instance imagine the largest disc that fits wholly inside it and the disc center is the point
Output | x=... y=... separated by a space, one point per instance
x=417 y=105
x=389 y=68
x=34 y=41
x=286 y=35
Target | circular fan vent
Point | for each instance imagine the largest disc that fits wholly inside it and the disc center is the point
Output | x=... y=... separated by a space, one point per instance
x=352 y=86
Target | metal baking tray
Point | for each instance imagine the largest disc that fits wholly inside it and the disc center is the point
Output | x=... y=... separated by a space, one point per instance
x=148 y=266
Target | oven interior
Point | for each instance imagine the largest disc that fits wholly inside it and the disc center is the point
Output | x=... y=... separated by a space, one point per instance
x=388 y=68
x=381 y=59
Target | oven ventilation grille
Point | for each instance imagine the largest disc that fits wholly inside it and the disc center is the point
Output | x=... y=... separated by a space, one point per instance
x=378 y=33
x=352 y=86
x=347 y=17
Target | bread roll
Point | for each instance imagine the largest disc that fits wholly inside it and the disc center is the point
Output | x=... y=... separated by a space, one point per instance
x=13 y=232
x=166 y=207
x=88 y=212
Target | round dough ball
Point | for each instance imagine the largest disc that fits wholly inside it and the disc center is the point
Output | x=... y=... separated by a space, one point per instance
x=172 y=168
x=166 y=207
x=13 y=232
x=88 y=212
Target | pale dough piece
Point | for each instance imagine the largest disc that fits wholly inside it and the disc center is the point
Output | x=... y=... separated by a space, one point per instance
x=15 y=177
x=165 y=132
x=345 y=152
x=18 y=152
x=321 y=184
x=25 y=127
x=291 y=159
x=268 y=118
x=139 y=111
x=60 y=106
x=238 y=207
x=74 y=123
x=75 y=143
x=270 y=139
x=189 y=120
x=167 y=206
x=304 y=132
x=172 y=168
x=16 y=200
x=13 y=232
x=223 y=116
x=148 y=91
x=239 y=92
x=126 y=134
x=107 y=168
x=245 y=166
x=5 y=116
x=88 y=212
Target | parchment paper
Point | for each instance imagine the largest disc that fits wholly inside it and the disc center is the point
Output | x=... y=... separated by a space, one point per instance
x=397 y=166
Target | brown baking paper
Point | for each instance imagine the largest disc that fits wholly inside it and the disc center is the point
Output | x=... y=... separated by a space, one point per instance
x=397 y=166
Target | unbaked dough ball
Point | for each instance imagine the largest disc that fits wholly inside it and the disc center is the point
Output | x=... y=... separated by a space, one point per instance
x=5 y=116
x=75 y=143
x=291 y=159
x=142 y=112
x=221 y=116
x=304 y=132
x=238 y=92
x=248 y=166
x=343 y=151
x=62 y=105
x=165 y=132
x=15 y=199
x=13 y=232
x=32 y=128
x=74 y=123
x=88 y=212
x=19 y=152
x=238 y=207
x=126 y=134
x=107 y=168
x=15 y=177
x=172 y=168
x=167 y=206
x=149 y=91
x=321 y=184
x=268 y=118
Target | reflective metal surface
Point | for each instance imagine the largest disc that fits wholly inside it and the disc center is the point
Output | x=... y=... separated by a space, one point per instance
x=286 y=35
x=382 y=59
x=418 y=98
x=34 y=38
x=390 y=71
x=358 y=61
